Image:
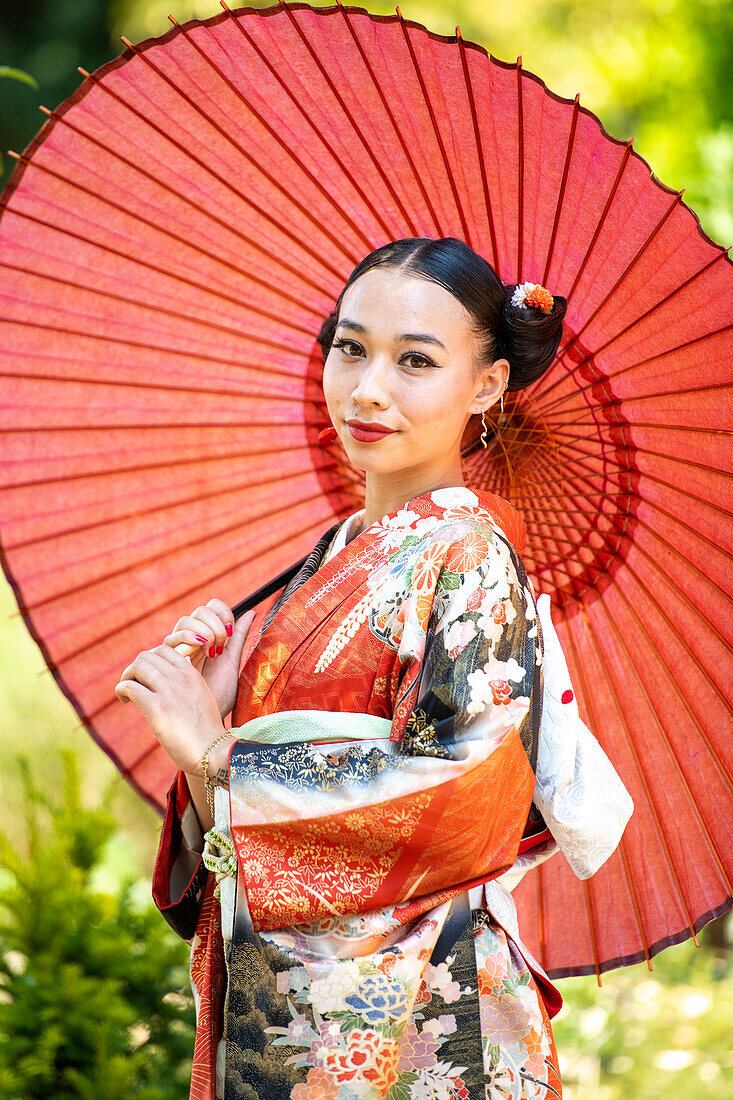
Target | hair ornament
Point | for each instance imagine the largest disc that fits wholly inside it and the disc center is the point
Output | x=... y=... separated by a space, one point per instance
x=532 y=294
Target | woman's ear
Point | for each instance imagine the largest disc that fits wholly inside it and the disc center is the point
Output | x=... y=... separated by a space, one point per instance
x=493 y=383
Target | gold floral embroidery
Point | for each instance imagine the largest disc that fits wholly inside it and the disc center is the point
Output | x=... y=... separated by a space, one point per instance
x=302 y=875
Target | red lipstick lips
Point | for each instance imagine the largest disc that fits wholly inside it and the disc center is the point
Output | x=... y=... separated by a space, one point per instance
x=368 y=431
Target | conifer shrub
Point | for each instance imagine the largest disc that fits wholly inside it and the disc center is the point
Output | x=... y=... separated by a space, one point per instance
x=94 y=994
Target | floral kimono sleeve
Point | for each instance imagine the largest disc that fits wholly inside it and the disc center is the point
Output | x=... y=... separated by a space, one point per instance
x=470 y=647
x=443 y=804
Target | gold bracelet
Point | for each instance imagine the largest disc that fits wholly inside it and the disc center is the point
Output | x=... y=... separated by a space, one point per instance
x=205 y=769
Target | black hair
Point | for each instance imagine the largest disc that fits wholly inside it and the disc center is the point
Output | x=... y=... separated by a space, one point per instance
x=527 y=337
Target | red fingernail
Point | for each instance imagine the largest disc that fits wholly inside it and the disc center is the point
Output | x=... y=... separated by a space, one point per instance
x=229 y=629
x=220 y=649
x=212 y=650
x=200 y=639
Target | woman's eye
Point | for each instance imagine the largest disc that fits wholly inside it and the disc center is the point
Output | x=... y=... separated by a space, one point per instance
x=422 y=362
x=347 y=346
x=354 y=351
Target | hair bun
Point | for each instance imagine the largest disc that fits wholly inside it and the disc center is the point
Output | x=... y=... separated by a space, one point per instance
x=528 y=338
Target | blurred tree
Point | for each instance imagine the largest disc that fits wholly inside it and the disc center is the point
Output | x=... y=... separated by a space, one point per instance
x=15 y=74
x=661 y=1035
x=94 y=994
x=47 y=39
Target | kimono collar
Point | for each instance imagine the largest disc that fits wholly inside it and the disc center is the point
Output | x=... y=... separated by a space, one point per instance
x=504 y=514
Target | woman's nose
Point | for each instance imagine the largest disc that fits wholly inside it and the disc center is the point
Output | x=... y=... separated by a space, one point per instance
x=372 y=387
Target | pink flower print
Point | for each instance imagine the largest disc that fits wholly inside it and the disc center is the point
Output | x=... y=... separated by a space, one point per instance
x=283 y=981
x=535 y=1060
x=319 y=1085
x=416 y=1051
x=443 y=1025
x=328 y=1040
x=458 y=635
x=440 y=981
x=498 y=612
x=299 y=1029
x=491 y=973
x=502 y=1019
x=501 y=692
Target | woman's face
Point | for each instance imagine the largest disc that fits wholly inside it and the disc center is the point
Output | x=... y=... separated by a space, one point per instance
x=403 y=358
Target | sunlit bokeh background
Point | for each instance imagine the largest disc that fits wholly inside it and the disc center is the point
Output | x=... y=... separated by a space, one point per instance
x=657 y=71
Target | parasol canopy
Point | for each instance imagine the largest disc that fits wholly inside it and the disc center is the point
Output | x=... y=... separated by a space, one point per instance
x=170 y=243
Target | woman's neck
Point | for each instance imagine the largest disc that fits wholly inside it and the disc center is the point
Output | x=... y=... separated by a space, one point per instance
x=387 y=492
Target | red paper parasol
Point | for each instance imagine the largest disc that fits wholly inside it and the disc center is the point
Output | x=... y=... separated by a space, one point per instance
x=170 y=243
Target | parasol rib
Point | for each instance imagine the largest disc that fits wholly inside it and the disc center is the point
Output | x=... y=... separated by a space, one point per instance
x=632 y=324
x=210 y=215
x=647 y=790
x=626 y=370
x=602 y=220
x=252 y=394
x=176 y=314
x=199 y=460
x=587 y=698
x=664 y=738
x=520 y=173
x=388 y=110
x=138 y=513
x=157 y=227
x=676 y=200
x=541 y=916
x=495 y=259
x=592 y=925
x=275 y=183
x=239 y=24
x=579 y=439
x=153 y=558
x=276 y=137
x=680 y=692
x=173 y=276
x=436 y=130
x=109 y=339
x=355 y=126
x=262 y=211
x=563 y=185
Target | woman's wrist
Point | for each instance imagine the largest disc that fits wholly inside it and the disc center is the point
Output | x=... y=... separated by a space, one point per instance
x=219 y=763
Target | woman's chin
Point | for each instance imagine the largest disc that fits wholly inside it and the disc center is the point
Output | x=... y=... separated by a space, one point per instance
x=371 y=464
x=371 y=458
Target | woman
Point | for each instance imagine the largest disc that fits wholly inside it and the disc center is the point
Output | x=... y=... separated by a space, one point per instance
x=350 y=937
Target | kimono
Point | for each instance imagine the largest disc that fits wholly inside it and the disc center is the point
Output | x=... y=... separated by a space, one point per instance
x=352 y=931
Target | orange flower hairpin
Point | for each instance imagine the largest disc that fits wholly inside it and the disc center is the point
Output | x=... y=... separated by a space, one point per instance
x=532 y=294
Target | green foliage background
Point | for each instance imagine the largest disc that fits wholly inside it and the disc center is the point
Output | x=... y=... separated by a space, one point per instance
x=655 y=70
x=95 y=999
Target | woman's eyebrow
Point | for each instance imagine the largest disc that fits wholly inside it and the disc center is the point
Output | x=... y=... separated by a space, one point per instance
x=405 y=338
x=421 y=338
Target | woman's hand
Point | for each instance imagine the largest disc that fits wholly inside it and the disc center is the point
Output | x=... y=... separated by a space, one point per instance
x=223 y=641
x=175 y=701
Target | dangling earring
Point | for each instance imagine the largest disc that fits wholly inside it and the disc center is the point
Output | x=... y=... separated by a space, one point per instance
x=327 y=437
x=484 y=439
x=501 y=403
